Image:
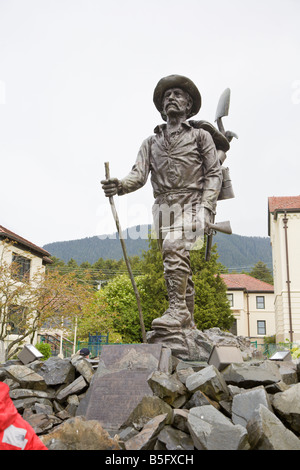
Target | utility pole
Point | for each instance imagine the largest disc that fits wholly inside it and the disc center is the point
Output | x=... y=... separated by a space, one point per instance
x=285 y=226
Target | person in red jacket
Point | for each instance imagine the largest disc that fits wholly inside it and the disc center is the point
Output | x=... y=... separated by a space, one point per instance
x=15 y=432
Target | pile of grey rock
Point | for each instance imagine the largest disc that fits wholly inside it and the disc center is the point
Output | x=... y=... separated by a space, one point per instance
x=47 y=393
x=249 y=405
x=194 y=406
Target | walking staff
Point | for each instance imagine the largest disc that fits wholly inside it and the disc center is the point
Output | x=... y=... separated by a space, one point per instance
x=135 y=289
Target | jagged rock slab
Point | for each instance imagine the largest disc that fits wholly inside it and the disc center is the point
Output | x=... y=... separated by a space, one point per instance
x=25 y=403
x=244 y=404
x=145 y=440
x=211 y=430
x=57 y=371
x=199 y=399
x=287 y=406
x=83 y=367
x=209 y=381
x=167 y=387
x=249 y=375
x=77 y=386
x=267 y=432
x=79 y=434
x=120 y=383
x=21 y=393
x=170 y=438
x=41 y=422
x=288 y=372
x=180 y=419
x=147 y=408
x=26 y=377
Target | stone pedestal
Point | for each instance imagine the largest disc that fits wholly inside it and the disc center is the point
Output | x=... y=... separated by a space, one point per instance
x=188 y=344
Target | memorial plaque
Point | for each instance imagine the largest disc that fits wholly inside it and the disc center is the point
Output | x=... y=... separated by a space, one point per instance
x=223 y=355
x=29 y=354
x=119 y=383
x=281 y=356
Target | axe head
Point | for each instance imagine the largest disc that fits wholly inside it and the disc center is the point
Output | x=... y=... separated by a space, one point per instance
x=223 y=104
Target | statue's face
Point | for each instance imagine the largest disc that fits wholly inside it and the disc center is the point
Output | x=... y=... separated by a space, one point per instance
x=176 y=101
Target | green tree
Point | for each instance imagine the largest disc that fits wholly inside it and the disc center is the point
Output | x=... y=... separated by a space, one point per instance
x=86 y=265
x=72 y=264
x=98 y=317
x=99 y=265
x=57 y=262
x=211 y=305
x=262 y=272
x=155 y=299
x=44 y=349
x=121 y=304
x=120 y=297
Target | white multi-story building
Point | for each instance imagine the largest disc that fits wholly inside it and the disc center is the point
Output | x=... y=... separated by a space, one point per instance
x=29 y=256
x=284 y=232
x=252 y=305
x=31 y=261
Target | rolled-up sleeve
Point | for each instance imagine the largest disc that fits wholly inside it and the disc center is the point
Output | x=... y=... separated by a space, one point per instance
x=140 y=171
x=212 y=171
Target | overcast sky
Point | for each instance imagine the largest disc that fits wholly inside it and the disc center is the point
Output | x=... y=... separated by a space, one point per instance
x=76 y=86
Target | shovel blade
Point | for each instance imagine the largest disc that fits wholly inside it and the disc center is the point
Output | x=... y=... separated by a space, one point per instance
x=223 y=104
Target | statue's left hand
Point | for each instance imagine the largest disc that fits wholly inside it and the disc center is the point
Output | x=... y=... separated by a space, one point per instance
x=203 y=218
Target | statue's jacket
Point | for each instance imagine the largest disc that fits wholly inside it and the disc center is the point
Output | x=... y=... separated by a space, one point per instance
x=185 y=165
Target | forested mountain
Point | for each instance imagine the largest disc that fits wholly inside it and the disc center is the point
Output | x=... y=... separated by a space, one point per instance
x=92 y=248
x=236 y=252
x=241 y=252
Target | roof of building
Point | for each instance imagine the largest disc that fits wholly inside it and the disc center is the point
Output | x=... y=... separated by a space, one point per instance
x=282 y=204
x=5 y=233
x=246 y=282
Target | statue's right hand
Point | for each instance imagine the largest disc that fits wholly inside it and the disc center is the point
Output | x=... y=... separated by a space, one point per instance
x=110 y=186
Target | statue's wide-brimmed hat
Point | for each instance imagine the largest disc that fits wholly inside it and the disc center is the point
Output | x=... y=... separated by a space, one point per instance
x=176 y=81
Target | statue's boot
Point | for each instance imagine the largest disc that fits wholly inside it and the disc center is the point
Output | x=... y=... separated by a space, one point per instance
x=190 y=302
x=178 y=314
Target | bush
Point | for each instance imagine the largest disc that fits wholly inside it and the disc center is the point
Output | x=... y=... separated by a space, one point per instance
x=270 y=339
x=44 y=349
x=295 y=352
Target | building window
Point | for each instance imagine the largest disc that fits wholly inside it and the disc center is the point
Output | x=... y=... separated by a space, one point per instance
x=17 y=319
x=230 y=299
x=261 y=327
x=22 y=267
x=233 y=328
x=260 y=302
